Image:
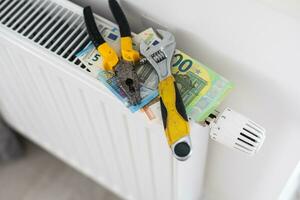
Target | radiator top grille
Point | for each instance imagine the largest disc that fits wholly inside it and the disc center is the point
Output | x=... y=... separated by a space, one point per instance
x=48 y=24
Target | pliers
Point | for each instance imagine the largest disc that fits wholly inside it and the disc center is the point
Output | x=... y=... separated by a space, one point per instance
x=124 y=67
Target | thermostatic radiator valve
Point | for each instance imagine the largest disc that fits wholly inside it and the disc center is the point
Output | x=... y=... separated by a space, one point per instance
x=236 y=131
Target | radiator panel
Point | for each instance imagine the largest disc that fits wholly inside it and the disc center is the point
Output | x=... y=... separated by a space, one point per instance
x=52 y=102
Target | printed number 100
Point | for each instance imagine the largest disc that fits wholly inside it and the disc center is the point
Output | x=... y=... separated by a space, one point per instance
x=183 y=64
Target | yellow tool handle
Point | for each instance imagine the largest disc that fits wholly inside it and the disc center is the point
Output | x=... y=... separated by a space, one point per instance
x=109 y=56
x=128 y=53
x=173 y=111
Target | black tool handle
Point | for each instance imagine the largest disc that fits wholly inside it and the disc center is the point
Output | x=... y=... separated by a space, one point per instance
x=91 y=26
x=120 y=18
x=179 y=107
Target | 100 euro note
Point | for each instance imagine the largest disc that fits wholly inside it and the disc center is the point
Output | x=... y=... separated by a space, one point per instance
x=90 y=57
x=201 y=89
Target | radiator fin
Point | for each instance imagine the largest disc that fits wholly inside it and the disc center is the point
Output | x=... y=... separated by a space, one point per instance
x=46 y=23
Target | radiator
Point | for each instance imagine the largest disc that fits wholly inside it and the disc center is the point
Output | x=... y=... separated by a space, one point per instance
x=48 y=96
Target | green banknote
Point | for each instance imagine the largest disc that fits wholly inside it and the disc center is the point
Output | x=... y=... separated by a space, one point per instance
x=201 y=89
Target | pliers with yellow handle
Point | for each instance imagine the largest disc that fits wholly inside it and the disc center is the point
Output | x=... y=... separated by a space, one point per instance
x=175 y=120
x=124 y=67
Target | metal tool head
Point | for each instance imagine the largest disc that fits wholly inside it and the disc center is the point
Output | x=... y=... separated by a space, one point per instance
x=128 y=80
x=160 y=53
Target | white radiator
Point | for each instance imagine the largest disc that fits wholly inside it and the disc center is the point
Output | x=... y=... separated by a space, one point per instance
x=48 y=96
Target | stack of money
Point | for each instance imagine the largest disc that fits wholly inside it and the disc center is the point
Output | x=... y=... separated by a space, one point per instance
x=201 y=88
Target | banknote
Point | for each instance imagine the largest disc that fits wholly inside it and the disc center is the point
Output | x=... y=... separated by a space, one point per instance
x=201 y=89
x=90 y=57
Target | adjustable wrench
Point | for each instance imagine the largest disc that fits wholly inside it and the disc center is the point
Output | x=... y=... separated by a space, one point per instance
x=175 y=120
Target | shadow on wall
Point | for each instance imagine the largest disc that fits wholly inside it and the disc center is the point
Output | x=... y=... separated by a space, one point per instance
x=10 y=145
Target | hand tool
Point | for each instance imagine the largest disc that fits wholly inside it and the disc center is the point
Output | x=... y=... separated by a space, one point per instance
x=124 y=67
x=175 y=120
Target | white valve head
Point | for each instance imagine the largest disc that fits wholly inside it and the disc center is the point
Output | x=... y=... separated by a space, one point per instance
x=237 y=131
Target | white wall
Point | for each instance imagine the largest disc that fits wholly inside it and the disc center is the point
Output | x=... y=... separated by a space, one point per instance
x=256 y=44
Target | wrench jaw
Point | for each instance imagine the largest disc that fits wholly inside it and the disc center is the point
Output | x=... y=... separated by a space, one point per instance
x=168 y=42
x=160 y=55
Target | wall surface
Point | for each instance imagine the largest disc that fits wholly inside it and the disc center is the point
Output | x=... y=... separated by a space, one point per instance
x=256 y=45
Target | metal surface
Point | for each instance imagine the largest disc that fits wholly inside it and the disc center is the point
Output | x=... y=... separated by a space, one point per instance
x=128 y=80
x=160 y=56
